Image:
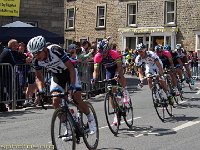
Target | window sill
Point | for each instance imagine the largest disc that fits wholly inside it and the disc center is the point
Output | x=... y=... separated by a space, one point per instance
x=133 y=26
x=100 y=28
x=70 y=29
x=169 y=25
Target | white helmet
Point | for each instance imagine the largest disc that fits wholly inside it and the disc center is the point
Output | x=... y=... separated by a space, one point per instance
x=36 y=44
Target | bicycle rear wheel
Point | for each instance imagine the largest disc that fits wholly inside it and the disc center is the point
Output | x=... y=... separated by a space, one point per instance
x=91 y=141
x=111 y=111
x=128 y=113
x=59 y=124
x=158 y=103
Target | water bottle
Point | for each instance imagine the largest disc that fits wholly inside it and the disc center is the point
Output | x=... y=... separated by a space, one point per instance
x=73 y=114
x=119 y=98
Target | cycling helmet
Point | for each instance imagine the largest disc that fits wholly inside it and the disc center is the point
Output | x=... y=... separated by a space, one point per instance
x=140 y=47
x=36 y=44
x=167 y=48
x=178 y=46
x=158 y=48
x=103 y=46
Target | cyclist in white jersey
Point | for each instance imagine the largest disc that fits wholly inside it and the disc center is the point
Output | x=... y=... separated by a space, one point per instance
x=153 y=65
x=54 y=59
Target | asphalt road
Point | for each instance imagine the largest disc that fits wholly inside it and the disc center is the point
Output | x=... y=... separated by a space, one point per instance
x=181 y=132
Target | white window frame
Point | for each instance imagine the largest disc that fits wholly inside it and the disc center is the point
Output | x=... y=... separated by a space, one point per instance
x=70 y=18
x=197 y=41
x=68 y=43
x=97 y=16
x=128 y=14
x=166 y=13
x=83 y=39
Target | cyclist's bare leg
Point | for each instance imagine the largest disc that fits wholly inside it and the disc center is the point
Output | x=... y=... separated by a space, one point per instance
x=179 y=72
x=122 y=81
x=149 y=80
x=56 y=101
x=173 y=77
x=164 y=85
x=80 y=103
x=188 y=70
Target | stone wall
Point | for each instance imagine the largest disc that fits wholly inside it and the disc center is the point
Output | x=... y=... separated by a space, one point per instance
x=150 y=14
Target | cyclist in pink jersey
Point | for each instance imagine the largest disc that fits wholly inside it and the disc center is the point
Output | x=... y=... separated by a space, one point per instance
x=111 y=60
x=166 y=58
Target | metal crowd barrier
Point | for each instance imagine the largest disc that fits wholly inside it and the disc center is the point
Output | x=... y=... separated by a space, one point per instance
x=6 y=83
x=86 y=75
x=15 y=80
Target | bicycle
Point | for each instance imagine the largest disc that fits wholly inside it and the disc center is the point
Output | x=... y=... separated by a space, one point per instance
x=160 y=103
x=170 y=86
x=63 y=119
x=114 y=105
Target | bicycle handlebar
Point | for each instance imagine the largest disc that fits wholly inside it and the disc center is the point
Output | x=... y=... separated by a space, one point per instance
x=106 y=80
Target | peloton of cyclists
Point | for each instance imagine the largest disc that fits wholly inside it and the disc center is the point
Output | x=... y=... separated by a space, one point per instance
x=166 y=58
x=153 y=65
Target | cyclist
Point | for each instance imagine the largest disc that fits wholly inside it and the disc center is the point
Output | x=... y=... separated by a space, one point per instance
x=176 y=60
x=55 y=60
x=167 y=61
x=183 y=56
x=153 y=65
x=111 y=60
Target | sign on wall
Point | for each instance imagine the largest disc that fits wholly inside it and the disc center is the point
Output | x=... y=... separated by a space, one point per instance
x=9 y=8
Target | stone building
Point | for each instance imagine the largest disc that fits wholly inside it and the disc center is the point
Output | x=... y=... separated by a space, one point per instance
x=46 y=14
x=130 y=22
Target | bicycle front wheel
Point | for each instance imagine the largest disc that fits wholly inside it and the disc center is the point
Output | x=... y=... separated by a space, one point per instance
x=62 y=131
x=91 y=141
x=158 y=104
x=128 y=113
x=111 y=113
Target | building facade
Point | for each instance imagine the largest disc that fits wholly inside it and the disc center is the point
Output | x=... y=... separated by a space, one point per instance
x=46 y=14
x=130 y=22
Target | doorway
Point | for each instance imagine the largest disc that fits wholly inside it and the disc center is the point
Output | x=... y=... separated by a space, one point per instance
x=155 y=40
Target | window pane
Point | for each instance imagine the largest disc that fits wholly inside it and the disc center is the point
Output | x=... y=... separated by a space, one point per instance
x=132 y=19
x=170 y=6
x=71 y=13
x=101 y=11
x=198 y=44
x=71 y=23
x=132 y=9
x=170 y=17
x=101 y=22
x=168 y=40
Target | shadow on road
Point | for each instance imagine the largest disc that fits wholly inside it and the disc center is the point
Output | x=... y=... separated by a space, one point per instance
x=14 y=114
x=180 y=117
x=146 y=131
x=111 y=148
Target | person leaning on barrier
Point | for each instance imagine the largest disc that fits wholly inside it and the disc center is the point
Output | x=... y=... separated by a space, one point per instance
x=1 y=48
x=55 y=60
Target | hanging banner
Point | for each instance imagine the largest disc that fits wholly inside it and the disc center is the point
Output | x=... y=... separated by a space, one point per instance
x=9 y=8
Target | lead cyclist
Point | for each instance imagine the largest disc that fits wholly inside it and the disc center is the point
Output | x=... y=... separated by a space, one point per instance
x=55 y=60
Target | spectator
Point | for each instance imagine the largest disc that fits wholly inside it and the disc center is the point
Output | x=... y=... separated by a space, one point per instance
x=195 y=64
x=84 y=47
x=1 y=48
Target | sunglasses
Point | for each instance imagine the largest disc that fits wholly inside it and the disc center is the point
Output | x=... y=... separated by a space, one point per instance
x=37 y=53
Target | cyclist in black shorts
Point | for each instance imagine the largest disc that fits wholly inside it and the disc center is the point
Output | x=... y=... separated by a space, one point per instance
x=176 y=60
x=166 y=58
x=54 y=59
x=183 y=56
